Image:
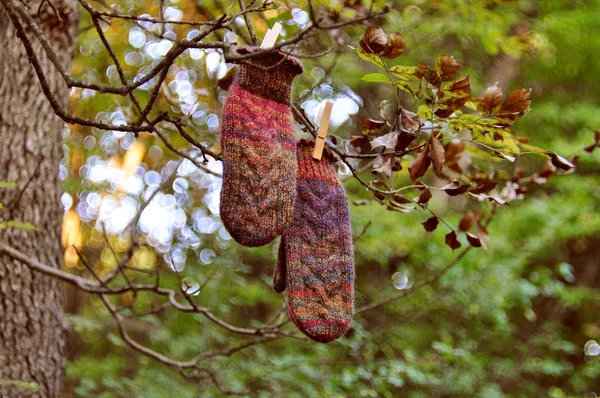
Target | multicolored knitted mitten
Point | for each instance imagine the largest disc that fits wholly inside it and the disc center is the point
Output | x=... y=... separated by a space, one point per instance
x=316 y=257
x=258 y=149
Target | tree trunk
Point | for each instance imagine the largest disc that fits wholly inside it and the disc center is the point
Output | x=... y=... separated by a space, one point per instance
x=32 y=322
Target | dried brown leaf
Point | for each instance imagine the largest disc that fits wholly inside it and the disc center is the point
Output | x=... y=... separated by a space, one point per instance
x=410 y=120
x=590 y=148
x=372 y=126
x=596 y=143
x=431 y=224
x=374 y=41
x=484 y=188
x=437 y=154
x=455 y=188
x=443 y=112
x=358 y=141
x=454 y=148
x=447 y=67
x=467 y=221
x=387 y=141
x=429 y=74
x=461 y=86
x=492 y=98
x=424 y=197
x=419 y=165
x=454 y=97
x=383 y=165
x=380 y=184
x=473 y=240
x=516 y=104
x=560 y=162
x=379 y=196
x=404 y=140
x=395 y=47
x=401 y=199
x=452 y=240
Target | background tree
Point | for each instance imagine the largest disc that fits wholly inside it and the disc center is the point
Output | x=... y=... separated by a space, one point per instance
x=32 y=326
x=430 y=322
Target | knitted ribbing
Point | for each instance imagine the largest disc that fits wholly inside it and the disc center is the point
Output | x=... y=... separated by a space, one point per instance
x=258 y=149
x=275 y=81
x=316 y=259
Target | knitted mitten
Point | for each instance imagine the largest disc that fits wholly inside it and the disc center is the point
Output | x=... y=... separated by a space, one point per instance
x=280 y=273
x=258 y=150
x=316 y=258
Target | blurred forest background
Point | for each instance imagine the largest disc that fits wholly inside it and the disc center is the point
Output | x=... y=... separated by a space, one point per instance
x=520 y=319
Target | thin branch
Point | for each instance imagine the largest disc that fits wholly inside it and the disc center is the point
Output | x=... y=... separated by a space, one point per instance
x=184 y=155
x=364 y=231
x=416 y=287
x=89 y=267
x=36 y=265
x=247 y=21
x=95 y=287
x=435 y=277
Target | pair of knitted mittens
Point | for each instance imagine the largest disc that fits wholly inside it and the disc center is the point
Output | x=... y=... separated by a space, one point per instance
x=272 y=188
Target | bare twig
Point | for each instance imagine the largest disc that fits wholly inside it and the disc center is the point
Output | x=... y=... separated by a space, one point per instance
x=247 y=21
x=415 y=287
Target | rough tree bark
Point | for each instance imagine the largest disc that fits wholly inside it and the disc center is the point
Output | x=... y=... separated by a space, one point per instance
x=32 y=322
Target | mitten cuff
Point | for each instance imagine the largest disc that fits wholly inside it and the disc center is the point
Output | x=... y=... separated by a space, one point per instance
x=313 y=169
x=273 y=83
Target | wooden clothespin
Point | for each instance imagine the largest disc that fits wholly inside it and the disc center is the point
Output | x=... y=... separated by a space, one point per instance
x=271 y=36
x=324 y=117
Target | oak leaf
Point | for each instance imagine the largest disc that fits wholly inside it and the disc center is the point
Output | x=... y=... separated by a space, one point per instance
x=452 y=241
x=492 y=98
x=431 y=224
x=437 y=154
x=419 y=165
x=447 y=67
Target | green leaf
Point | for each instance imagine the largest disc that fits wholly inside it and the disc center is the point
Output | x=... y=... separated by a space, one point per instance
x=4 y=184
x=425 y=112
x=404 y=86
x=372 y=58
x=475 y=123
x=27 y=386
x=509 y=142
x=481 y=154
x=405 y=72
x=22 y=225
x=376 y=78
x=535 y=149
